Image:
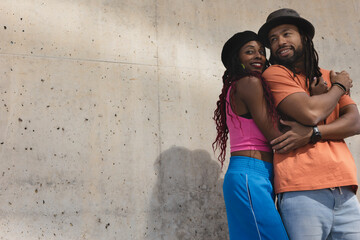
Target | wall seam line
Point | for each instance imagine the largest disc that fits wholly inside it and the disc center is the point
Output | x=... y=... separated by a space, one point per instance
x=157 y=76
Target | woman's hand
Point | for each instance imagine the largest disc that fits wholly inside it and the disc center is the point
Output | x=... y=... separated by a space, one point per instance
x=319 y=86
x=297 y=136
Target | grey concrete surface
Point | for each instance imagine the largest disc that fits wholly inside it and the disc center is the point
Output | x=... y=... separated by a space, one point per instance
x=106 y=112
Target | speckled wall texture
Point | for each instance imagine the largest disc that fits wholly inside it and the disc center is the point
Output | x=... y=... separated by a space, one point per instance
x=106 y=112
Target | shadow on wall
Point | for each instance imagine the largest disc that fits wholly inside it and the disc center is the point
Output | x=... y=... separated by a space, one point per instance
x=187 y=201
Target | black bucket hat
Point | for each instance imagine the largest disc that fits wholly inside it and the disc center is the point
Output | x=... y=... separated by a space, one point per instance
x=233 y=45
x=285 y=16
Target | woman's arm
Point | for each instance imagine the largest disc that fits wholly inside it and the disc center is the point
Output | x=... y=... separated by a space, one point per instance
x=249 y=90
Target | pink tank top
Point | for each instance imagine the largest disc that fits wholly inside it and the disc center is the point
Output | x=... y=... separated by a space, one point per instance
x=244 y=134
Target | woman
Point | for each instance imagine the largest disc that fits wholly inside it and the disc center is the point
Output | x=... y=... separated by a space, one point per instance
x=246 y=110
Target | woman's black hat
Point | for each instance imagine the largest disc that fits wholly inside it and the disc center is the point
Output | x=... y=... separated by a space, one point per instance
x=233 y=45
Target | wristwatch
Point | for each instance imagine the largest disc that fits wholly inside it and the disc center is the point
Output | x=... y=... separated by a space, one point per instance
x=316 y=135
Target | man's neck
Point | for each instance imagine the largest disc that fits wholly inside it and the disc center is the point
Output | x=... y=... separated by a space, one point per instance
x=300 y=67
x=297 y=67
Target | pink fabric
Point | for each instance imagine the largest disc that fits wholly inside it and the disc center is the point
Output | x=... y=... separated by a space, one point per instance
x=244 y=134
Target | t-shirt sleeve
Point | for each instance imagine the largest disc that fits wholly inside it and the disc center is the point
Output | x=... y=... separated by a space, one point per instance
x=281 y=82
x=345 y=100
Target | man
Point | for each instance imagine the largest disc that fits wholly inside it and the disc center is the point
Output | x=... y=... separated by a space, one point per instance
x=316 y=183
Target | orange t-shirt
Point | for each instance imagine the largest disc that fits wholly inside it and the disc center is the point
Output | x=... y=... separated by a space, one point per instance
x=325 y=164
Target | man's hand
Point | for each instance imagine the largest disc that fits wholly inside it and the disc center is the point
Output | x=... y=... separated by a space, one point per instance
x=343 y=78
x=296 y=137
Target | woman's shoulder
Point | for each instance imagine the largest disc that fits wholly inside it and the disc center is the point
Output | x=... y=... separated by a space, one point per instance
x=248 y=83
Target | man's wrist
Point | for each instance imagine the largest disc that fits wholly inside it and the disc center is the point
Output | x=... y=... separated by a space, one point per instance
x=342 y=87
x=316 y=135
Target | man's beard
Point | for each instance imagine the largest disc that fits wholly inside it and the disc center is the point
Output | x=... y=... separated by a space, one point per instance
x=290 y=61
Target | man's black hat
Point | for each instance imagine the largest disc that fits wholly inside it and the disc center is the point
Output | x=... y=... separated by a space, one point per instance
x=285 y=16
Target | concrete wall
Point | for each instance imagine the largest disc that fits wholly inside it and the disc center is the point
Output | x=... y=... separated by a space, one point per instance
x=106 y=107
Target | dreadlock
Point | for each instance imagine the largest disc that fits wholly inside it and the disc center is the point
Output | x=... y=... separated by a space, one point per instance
x=311 y=59
x=233 y=74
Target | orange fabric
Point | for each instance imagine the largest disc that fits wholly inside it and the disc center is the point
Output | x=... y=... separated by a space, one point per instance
x=325 y=164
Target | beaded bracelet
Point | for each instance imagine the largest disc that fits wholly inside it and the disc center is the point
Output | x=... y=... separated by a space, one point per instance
x=340 y=85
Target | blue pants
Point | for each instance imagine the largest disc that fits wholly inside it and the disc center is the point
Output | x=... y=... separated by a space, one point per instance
x=325 y=214
x=249 y=200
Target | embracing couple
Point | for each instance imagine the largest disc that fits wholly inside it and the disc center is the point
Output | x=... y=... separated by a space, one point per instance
x=287 y=124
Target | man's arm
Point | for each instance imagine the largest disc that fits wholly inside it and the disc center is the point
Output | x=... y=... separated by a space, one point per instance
x=309 y=110
x=347 y=125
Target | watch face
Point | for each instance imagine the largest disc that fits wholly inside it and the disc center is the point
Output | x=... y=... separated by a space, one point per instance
x=316 y=130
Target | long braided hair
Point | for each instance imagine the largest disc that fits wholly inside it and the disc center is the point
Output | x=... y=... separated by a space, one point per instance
x=312 y=68
x=232 y=74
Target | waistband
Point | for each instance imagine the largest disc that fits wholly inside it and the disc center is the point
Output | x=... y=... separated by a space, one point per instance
x=242 y=164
